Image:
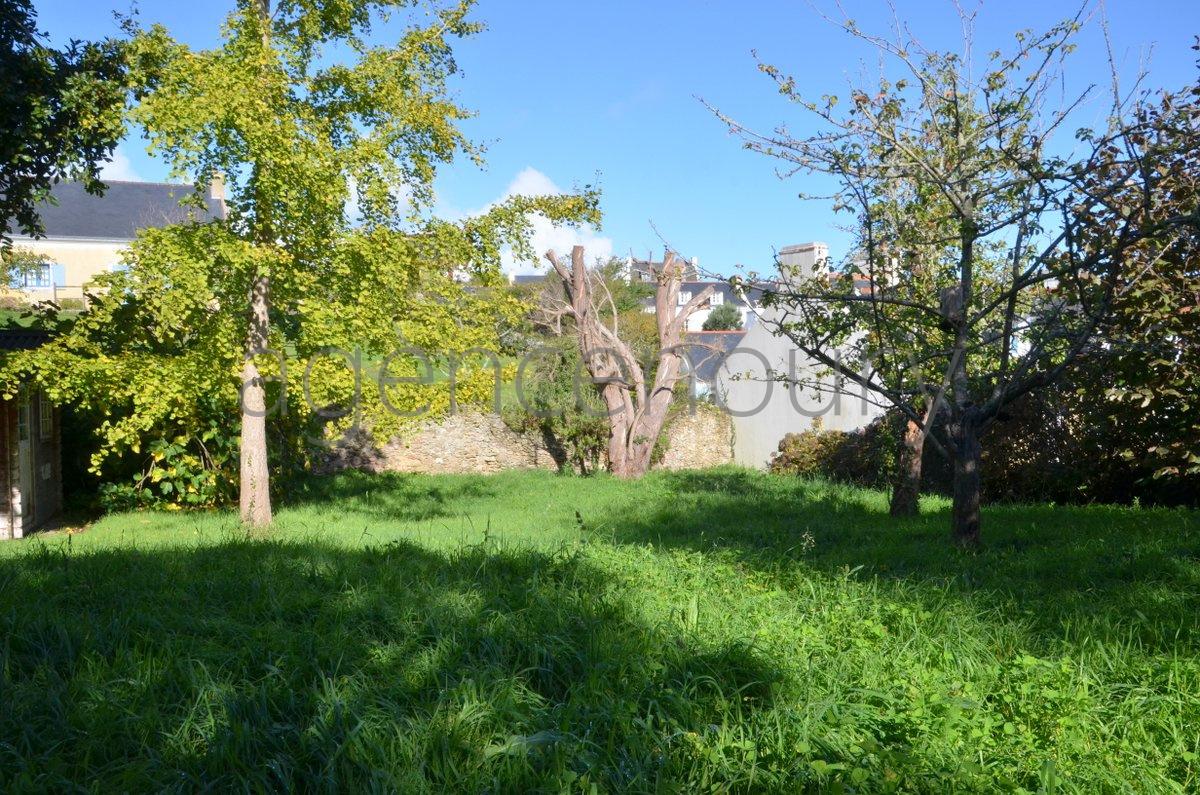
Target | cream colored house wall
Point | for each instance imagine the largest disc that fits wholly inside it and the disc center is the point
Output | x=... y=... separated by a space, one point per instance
x=82 y=261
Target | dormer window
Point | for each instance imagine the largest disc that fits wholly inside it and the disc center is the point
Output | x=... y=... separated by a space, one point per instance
x=684 y=296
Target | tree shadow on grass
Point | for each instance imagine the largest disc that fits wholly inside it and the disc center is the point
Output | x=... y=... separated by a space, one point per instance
x=278 y=665
x=388 y=496
x=1089 y=571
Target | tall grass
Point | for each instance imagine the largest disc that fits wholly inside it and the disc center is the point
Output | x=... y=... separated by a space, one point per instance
x=707 y=631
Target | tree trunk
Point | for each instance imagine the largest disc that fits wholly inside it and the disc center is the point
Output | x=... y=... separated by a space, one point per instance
x=635 y=414
x=255 y=484
x=967 y=455
x=906 y=488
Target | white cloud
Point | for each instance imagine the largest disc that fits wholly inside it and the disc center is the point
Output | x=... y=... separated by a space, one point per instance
x=544 y=235
x=119 y=168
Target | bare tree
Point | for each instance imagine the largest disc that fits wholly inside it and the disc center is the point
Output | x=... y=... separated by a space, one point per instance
x=635 y=410
x=988 y=262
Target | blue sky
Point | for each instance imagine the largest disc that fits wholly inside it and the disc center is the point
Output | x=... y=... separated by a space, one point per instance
x=605 y=92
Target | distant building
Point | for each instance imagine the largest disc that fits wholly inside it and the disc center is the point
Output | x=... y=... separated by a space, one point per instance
x=85 y=235
x=723 y=293
x=752 y=379
x=706 y=355
x=527 y=278
x=804 y=259
x=646 y=270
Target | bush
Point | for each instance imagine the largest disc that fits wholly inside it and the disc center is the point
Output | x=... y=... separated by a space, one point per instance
x=725 y=317
x=573 y=428
x=863 y=458
x=13 y=302
x=807 y=453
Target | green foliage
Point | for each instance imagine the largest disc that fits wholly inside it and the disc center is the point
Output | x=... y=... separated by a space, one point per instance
x=1063 y=444
x=628 y=296
x=863 y=458
x=724 y=317
x=692 y=632
x=63 y=115
x=562 y=407
x=197 y=472
x=296 y=133
x=1156 y=326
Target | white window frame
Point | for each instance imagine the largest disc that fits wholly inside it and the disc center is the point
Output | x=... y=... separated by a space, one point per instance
x=718 y=298
x=38 y=278
x=684 y=297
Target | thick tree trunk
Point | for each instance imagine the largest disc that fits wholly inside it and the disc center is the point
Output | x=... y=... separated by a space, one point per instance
x=635 y=414
x=255 y=484
x=906 y=489
x=967 y=483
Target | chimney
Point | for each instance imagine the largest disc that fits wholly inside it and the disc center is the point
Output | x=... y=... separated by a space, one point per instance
x=805 y=259
x=216 y=186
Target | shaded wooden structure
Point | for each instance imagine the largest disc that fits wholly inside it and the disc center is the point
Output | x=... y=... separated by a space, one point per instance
x=30 y=450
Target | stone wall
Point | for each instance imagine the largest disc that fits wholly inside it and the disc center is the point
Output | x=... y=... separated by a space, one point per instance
x=477 y=442
x=699 y=440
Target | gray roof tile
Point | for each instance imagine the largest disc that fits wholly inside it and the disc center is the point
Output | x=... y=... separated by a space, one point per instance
x=125 y=208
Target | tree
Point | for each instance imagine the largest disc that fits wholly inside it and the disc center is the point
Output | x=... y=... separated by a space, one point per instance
x=1019 y=287
x=1155 y=328
x=292 y=272
x=63 y=115
x=724 y=317
x=635 y=411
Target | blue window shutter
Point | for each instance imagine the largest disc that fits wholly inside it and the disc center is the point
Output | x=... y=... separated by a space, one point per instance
x=58 y=275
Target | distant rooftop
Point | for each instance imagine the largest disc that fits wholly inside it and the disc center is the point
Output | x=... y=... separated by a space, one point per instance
x=708 y=350
x=725 y=293
x=645 y=270
x=529 y=278
x=125 y=208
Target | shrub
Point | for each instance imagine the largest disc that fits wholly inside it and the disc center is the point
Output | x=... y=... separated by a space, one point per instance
x=861 y=457
x=806 y=453
x=13 y=302
x=725 y=317
x=572 y=427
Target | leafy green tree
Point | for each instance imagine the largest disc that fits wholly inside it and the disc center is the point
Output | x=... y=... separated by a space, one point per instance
x=297 y=132
x=724 y=317
x=63 y=115
x=1024 y=281
x=1155 y=358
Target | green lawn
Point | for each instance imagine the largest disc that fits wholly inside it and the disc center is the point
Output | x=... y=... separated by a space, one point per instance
x=693 y=632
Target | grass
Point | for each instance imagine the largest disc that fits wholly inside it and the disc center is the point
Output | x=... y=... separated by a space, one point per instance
x=705 y=631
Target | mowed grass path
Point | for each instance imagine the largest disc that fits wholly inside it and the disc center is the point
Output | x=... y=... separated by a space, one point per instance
x=706 y=631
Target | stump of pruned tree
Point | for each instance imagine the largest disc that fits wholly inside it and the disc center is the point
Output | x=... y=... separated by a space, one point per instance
x=636 y=410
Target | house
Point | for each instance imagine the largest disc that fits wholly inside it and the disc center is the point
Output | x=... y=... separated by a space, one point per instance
x=30 y=450
x=752 y=379
x=647 y=270
x=85 y=235
x=723 y=293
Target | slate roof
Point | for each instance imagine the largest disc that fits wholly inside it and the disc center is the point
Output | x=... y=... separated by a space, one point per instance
x=529 y=278
x=709 y=349
x=644 y=270
x=125 y=208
